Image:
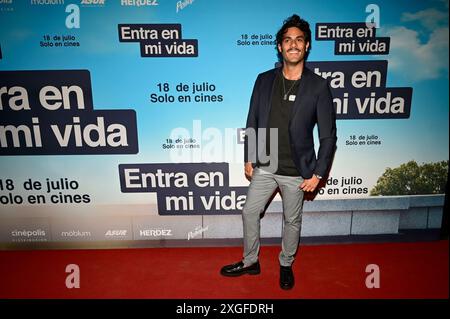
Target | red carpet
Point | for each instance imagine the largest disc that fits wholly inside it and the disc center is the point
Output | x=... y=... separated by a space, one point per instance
x=407 y=270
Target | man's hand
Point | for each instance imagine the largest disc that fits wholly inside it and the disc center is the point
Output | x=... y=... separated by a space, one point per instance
x=309 y=185
x=248 y=170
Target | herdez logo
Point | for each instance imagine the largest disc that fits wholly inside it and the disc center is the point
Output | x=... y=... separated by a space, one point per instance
x=139 y=3
x=155 y=232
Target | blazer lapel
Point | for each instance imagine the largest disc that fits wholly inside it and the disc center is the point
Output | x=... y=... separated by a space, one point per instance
x=301 y=89
x=269 y=88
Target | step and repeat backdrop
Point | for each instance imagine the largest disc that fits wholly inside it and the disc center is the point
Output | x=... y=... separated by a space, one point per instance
x=122 y=119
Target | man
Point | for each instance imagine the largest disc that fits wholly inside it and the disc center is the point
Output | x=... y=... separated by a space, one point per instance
x=289 y=101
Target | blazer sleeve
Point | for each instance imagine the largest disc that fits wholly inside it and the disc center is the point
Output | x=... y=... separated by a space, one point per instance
x=250 y=139
x=326 y=122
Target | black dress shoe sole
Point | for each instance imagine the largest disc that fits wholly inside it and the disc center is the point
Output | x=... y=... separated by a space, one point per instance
x=240 y=273
x=286 y=287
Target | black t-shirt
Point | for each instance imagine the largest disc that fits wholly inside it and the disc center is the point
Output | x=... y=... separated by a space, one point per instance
x=279 y=117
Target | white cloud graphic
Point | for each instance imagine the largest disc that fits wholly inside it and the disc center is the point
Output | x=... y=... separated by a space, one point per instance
x=415 y=60
x=429 y=18
x=413 y=57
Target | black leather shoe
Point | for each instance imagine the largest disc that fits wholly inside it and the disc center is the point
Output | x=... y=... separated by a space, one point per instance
x=286 y=277
x=238 y=269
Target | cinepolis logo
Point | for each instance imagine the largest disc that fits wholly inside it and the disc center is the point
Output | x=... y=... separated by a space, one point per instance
x=28 y=233
x=138 y=3
x=116 y=232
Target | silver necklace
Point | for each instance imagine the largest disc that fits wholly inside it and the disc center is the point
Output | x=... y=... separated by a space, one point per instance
x=285 y=94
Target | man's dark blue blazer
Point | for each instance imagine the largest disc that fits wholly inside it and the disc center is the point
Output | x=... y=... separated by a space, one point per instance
x=313 y=105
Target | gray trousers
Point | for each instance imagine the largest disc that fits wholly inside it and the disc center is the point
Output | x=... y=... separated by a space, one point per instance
x=262 y=186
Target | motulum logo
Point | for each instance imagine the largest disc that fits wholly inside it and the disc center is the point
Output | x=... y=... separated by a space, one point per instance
x=29 y=235
x=47 y=2
x=139 y=3
x=76 y=233
x=92 y=3
x=116 y=233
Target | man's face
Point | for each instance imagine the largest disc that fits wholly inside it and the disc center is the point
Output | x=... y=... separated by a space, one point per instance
x=293 y=46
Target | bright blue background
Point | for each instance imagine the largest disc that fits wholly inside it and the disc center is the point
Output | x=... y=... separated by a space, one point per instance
x=121 y=79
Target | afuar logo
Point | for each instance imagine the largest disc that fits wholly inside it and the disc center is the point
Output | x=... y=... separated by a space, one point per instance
x=116 y=232
x=93 y=2
x=139 y=3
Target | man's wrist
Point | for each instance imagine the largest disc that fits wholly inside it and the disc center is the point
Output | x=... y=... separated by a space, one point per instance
x=318 y=176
